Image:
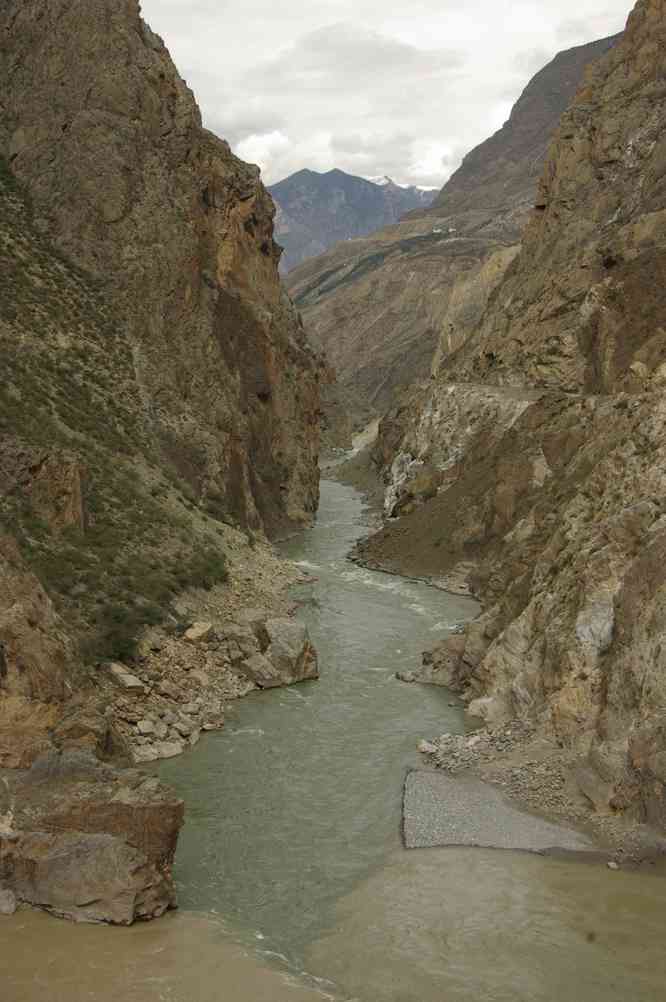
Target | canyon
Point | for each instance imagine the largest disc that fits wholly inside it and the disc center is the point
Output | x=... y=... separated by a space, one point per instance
x=161 y=419
x=380 y=305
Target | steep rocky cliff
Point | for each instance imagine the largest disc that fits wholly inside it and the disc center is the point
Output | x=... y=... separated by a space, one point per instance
x=107 y=140
x=315 y=211
x=532 y=468
x=159 y=414
x=382 y=306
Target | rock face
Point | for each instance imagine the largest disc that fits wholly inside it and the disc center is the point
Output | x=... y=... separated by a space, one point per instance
x=133 y=190
x=547 y=429
x=86 y=842
x=157 y=386
x=382 y=306
x=159 y=417
x=315 y=211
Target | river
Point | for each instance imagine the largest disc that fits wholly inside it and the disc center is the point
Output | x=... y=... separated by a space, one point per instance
x=291 y=855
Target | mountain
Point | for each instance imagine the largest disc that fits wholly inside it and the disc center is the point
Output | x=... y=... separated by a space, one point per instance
x=159 y=416
x=531 y=468
x=379 y=305
x=315 y=211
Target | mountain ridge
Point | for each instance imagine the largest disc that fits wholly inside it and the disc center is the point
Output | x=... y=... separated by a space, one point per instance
x=317 y=209
x=383 y=306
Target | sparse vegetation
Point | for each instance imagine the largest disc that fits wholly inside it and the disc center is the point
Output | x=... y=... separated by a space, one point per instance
x=68 y=388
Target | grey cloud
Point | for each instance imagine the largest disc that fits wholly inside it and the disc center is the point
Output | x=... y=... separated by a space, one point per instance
x=370 y=86
x=344 y=57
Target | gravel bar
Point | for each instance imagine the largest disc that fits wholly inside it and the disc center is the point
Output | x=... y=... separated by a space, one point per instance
x=441 y=810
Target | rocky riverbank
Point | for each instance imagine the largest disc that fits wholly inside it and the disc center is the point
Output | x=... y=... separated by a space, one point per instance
x=83 y=834
x=536 y=773
x=529 y=470
x=523 y=758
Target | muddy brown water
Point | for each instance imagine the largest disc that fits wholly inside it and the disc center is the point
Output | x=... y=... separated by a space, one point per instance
x=292 y=878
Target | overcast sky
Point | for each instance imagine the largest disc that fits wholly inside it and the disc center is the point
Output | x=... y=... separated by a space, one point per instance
x=400 y=88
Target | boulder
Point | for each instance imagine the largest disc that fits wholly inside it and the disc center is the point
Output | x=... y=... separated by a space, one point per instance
x=255 y=619
x=260 y=670
x=290 y=650
x=124 y=678
x=170 y=690
x=86 y=877
x=201 y=677
x=161 y=730
x=168 y=749
x=199 y=633
x=88 y=842
x=8 y=903
x=241 y=636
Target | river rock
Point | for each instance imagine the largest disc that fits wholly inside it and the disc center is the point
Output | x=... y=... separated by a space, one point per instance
x=260 y=670
x=290 y=651
x=184 y=726
x=8 y=902
x=256 y=619
x=240 y=638
x=167 y=749
x=88 y=842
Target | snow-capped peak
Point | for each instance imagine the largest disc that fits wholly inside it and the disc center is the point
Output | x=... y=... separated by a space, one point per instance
x=385 y=180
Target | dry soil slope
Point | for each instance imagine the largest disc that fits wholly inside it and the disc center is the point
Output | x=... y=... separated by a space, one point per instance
x=540 y=449
x=379 y=306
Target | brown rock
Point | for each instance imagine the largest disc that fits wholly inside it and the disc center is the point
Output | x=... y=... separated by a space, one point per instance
x=8 y=903
x=199 y=632
x=260 y=670
x=290 y=651
x=82 y=832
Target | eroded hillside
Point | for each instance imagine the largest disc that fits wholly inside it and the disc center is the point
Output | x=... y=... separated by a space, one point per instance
x=532 y=468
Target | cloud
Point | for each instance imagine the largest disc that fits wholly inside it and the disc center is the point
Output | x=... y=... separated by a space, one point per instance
x=370 y=86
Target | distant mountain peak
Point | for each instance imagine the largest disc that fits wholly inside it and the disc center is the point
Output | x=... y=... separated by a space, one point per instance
x=317 y=210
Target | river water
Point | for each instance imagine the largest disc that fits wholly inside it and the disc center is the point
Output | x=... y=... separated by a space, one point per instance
x=291 y=855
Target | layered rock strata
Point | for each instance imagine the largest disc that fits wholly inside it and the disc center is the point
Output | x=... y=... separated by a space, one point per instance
x=546 y=433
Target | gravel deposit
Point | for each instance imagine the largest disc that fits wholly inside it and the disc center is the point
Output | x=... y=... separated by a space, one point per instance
x=440 y=810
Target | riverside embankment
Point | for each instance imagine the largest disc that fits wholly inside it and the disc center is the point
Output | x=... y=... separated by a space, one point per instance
x=293 y=840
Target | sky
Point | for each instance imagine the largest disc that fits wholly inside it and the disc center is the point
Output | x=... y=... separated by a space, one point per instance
x=373 y=88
